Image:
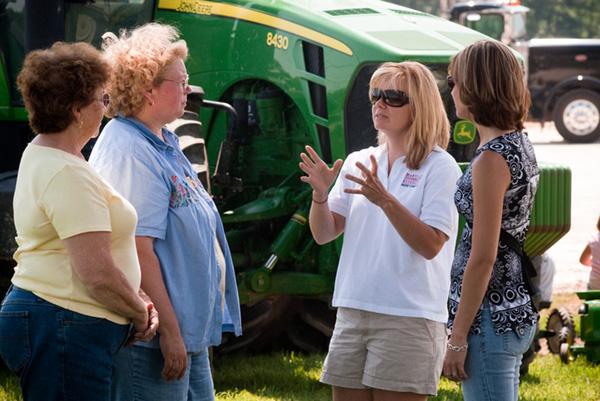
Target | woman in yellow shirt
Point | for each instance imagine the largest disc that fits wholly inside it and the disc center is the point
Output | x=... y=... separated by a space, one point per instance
x=75 y=287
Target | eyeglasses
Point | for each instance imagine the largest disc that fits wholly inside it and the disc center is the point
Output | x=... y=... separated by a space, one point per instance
x=184 y=84
x=105 y=99
x=450 y=82
x=392 y=98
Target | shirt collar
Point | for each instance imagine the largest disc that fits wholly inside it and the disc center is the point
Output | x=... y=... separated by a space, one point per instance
x=149 y=135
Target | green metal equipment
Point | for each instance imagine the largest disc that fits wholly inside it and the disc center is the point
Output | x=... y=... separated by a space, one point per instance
x=281 y=74
x=563 y=341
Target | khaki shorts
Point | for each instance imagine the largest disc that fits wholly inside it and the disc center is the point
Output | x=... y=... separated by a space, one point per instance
x=395 y=353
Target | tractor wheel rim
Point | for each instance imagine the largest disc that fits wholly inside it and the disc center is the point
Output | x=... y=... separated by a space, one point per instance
x=581 y=117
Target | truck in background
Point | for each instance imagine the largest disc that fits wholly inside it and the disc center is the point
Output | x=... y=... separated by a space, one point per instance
x=563 y=75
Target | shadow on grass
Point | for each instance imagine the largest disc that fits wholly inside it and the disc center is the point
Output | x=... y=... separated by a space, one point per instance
x=531 y=379
x=287 y=376
x=282 y=376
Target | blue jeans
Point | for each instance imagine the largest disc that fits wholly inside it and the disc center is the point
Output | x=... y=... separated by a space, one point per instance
x=138 y=377
x=493 y=363
x=59 y=355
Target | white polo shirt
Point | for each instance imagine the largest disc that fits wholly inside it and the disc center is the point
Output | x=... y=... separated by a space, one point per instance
x=378 y=271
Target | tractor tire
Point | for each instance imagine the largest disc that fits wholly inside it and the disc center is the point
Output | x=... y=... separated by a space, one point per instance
x=565 y=353
x=313 y=325
x=560 y=326
x=576 y=116
x=282 y=321
x=263 y=326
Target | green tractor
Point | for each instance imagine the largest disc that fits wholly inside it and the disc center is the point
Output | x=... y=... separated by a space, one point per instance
x=276 y=75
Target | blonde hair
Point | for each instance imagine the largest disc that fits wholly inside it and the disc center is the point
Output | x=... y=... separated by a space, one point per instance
x=430 y=126
x=491 y=84
x=138 y=59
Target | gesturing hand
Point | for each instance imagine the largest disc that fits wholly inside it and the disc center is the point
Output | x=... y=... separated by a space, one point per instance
x=370 y=185
x=318 y=174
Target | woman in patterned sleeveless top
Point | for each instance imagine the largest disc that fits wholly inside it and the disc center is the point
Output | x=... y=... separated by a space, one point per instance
x=491 y=313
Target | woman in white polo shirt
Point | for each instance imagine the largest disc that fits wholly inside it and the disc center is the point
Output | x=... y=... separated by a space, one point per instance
x=394 y=203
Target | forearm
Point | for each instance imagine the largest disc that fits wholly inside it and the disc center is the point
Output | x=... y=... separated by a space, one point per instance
x=153 y=285
x=111 y=289
x=321 y=221
x=422 y=238
x=474 y=286
x=586 y=256
x=94 y=266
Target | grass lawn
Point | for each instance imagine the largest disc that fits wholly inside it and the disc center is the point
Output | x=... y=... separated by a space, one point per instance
x=294 y=377
x=289 y=376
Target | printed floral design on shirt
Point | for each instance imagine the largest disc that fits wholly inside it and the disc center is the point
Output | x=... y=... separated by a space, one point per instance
x=411 y=180
x=183 y=193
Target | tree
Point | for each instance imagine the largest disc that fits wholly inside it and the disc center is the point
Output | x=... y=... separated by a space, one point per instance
x=563 y=18
x=546 y=19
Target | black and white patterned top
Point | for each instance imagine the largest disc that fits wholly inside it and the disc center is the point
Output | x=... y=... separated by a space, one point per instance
x=507 y=297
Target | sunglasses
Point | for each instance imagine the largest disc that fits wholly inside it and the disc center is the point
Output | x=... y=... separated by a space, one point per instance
x=392 y=98
x=105 y=99
x=450 y=82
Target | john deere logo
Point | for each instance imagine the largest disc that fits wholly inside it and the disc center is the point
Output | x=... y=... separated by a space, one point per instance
x=464 y=132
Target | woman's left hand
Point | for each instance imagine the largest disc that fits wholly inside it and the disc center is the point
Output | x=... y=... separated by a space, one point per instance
x=150 y=332
x=454 y=365
x=370 y=185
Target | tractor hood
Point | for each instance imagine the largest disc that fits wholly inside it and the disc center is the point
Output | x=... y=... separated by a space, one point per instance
x=345 y=25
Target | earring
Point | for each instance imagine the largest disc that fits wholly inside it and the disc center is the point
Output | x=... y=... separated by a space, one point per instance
x=80 y=124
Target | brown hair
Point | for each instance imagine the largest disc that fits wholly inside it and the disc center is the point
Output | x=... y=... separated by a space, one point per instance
x=492 y=85
x=139 y=57
x=598 y=224
x=430 y=124
x=54 y=80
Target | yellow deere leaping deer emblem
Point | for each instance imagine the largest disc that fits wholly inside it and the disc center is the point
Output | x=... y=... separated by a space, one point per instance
x=464 y=132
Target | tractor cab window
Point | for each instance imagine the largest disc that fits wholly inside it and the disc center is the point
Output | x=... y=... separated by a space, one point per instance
x=518 y=30
x=26 y=25
x=489 y=24
x=87 y=21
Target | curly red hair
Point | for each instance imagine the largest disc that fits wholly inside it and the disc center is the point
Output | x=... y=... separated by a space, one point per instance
x=139 y=57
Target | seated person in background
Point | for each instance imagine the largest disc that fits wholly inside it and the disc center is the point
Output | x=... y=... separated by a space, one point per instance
x=591 y=257
x=545 y=268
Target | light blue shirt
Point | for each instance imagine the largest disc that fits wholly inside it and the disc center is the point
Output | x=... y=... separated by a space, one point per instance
x=173 y=208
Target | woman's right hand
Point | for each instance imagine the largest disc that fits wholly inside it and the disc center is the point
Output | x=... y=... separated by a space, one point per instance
x=174 y=355
x=318 y=174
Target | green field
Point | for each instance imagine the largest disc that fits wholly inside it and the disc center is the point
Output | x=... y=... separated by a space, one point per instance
x=287 y=376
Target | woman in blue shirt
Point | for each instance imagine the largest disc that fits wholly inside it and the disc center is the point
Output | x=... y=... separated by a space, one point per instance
x=185 y=260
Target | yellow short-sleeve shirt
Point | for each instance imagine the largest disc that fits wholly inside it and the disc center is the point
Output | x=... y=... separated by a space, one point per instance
x=57 y=196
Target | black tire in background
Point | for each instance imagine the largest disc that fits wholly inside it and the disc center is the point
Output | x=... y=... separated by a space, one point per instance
x=562 y=328
x=577 y=116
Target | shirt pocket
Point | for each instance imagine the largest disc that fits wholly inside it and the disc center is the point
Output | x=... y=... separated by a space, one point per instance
x=14 y=339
